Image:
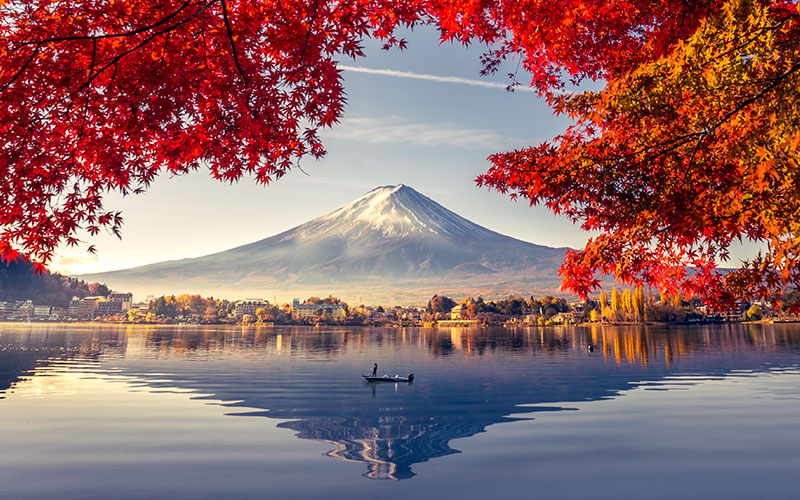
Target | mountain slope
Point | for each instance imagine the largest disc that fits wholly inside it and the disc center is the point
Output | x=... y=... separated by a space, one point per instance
x=391 y=237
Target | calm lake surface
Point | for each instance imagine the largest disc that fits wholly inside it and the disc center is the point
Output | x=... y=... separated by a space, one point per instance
x=229 y=412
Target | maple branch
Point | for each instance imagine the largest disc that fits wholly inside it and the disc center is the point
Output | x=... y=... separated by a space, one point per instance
x=672 y=144
x=114 y=60
x=679 y=141
x=88 y=96
x=705 y=133
x=302 y=57
x=283 y=14
x=124 y=34
x=22 y=69
x=755 y=37
x=95 y=38
x=230 y=39
x=775 y=82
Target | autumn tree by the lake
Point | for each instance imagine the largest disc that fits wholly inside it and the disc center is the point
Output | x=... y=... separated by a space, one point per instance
x=690 y=145
x=689 y=148
x=441 y=304
x=186 y=305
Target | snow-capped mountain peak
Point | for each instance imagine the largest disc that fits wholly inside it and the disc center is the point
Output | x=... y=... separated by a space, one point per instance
x=394 y=211
x=390 y=241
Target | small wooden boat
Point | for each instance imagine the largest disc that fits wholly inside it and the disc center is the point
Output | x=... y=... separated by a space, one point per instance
x=386 y=378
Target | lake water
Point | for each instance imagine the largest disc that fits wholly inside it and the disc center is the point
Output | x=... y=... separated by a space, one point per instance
x=98 y=412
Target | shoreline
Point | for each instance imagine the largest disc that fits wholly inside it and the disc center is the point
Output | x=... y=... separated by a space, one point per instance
x=395 y=325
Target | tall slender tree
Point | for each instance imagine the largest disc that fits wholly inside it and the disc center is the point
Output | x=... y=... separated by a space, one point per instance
x=616 y=303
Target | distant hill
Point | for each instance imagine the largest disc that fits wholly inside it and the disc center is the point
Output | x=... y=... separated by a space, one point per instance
x=19 y=282
x=391 y=244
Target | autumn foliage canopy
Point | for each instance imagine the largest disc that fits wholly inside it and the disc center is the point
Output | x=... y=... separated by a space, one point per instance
x=690 y=145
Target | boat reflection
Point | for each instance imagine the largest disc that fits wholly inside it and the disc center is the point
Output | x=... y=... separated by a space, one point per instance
x=466 y=379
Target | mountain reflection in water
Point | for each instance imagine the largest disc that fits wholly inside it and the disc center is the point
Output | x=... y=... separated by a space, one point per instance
x=466 y=379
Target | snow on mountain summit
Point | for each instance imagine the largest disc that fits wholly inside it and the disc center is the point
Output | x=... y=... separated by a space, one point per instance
x=393 y=211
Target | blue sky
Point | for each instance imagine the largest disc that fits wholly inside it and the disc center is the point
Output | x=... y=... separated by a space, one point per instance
x=428 y=134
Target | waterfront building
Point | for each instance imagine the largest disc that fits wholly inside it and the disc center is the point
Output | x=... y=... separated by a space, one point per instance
x=248 y=307
x=317 y=311
x=6 y=309
x=42 y=312
x=108 y=307
x=74 y=304
x=88 y=306
x=124 y=299
x=23 y=311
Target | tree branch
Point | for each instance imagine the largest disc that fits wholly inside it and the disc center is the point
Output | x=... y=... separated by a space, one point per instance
x=22 y=69
x=124 y=34
x=95 y=38
x=233 y=45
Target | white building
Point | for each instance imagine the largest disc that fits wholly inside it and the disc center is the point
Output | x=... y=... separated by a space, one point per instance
x=40 y=312
x=455 y=312
x=248 y=306
x=314 y=311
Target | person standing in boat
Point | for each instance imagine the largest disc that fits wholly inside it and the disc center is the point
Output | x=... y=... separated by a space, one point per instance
x=375 y=369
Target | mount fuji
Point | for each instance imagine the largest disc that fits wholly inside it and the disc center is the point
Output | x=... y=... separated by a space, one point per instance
x=391 y=244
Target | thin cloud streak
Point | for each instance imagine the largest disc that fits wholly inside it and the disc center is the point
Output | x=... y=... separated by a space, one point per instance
x=392 y=130
x=432 y=78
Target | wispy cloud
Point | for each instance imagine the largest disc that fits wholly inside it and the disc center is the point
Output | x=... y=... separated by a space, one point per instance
x=394 y=130
x=432 y=78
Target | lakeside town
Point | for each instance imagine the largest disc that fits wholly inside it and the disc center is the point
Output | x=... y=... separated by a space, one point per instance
x=622 y=305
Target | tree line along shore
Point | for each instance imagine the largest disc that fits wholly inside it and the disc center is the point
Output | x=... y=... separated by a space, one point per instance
x=619 y=307
x=27 y=296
